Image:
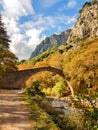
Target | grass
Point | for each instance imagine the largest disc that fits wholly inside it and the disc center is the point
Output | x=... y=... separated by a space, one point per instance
x=44 y=116
x=39 y=118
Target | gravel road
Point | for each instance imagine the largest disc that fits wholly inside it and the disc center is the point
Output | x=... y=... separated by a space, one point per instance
x=14 y=113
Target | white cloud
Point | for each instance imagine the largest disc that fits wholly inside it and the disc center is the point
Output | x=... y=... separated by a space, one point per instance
x=49 y=22
x=12 y=12
x=71 y=4
x=17 y=8
x=17 y=39
x=23 y=44
x=26 y=36
x=11 y=25
x=34 y=37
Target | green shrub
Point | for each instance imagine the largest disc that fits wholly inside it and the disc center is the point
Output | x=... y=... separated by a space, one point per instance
x=34 y=90
x=59 y=89
x=68 y=47
x=47 y=91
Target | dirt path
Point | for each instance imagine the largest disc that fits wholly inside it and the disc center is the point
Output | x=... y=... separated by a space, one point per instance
x=14 y=114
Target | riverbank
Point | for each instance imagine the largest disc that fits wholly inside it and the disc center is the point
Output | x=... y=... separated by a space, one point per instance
x=40 y=119
x=61 y=120
x=71 y=117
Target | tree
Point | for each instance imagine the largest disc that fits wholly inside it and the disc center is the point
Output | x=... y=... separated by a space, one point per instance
x=59 y=89
x=56 y=61
x=7 y=59
x=81 y=67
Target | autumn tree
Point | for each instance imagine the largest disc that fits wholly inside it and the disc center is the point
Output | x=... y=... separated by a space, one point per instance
x=56 y=61
x=7 y=59
x=81 y=67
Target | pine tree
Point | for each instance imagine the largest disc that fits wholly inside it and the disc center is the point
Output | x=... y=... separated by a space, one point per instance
x=7 y=59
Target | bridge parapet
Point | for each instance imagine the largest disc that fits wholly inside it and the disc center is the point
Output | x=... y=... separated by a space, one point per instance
x=16 y=79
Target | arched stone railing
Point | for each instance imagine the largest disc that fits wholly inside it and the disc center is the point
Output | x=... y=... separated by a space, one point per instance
x=16 y=79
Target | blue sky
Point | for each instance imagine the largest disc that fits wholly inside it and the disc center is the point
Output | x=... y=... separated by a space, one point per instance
x=28 y=22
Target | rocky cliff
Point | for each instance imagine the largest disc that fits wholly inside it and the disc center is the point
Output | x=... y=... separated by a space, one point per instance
x=49 y=42
x=87 y=23
x=86 y=26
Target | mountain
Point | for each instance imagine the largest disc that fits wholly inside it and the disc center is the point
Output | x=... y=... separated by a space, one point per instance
x=86 y=27
x=49 y=42
x=87 y=23
x=77 y=58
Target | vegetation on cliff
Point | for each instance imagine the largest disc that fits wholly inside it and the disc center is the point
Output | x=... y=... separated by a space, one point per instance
x=80 y=67
x=77 y=58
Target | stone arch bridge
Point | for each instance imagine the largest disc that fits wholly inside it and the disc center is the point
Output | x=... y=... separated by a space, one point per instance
x=16 y=79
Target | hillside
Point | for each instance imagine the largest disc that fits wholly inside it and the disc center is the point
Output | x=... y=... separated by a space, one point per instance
x=86 y=27
x=49 y=42
x=81 y=63
x=78 y=61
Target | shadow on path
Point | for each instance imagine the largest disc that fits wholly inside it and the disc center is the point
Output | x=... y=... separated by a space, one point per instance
x=14 y=114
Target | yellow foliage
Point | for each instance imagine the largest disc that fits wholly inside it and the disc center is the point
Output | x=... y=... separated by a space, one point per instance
x=25 y=66
x=41 y=64
x=56 y=61
x=81 y=65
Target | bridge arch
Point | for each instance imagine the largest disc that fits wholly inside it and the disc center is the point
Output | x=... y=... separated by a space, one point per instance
x=16 y=79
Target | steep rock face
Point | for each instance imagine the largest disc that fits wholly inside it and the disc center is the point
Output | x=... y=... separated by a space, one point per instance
x=49 y=42
x=87 y=23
